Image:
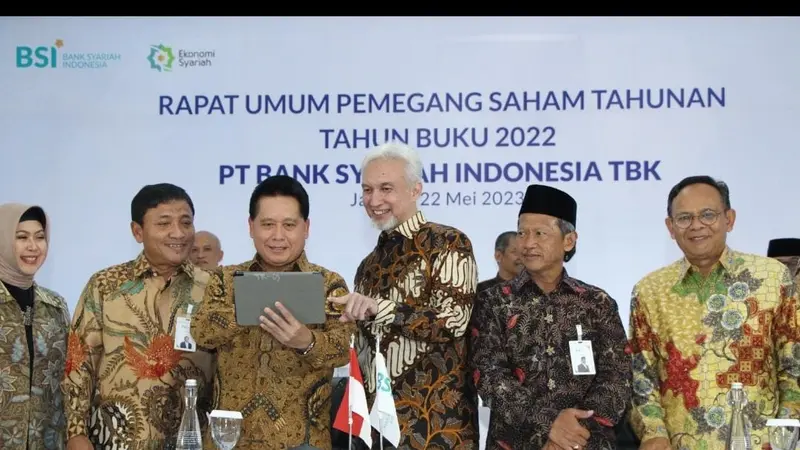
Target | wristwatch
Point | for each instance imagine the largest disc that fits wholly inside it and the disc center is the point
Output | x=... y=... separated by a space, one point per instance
x=310 y=346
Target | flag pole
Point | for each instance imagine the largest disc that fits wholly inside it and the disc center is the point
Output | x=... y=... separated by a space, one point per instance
x=380 y=422
x=349 y=400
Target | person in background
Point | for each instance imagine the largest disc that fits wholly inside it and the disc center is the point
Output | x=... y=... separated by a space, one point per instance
x=278 y=376
x=124 y=371
x=527 y=332
x=787 y=251
x=509 y=265
x=506 y=254
x=416 y=290
x=714 y=317
x=33 y=335
x=207 y=250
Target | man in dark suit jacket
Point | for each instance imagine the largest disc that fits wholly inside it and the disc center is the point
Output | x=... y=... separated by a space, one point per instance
x=187 y=344
x=583 y=367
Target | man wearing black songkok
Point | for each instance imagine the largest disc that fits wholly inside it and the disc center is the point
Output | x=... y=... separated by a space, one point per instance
x=529 y=333
x=787 y=251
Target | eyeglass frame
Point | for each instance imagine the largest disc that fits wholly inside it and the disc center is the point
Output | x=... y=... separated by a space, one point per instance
x=708 y=222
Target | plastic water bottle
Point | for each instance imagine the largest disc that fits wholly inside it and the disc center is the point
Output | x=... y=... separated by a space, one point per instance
x=739 y=433
x=189 y=436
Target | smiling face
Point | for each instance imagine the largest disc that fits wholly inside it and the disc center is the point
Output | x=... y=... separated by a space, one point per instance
x=700 y=224
x=388 y=198
x=279 y=232
x=167 y=233
x=30 y=246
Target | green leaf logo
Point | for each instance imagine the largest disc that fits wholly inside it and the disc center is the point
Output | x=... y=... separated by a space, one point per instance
x=161 y=58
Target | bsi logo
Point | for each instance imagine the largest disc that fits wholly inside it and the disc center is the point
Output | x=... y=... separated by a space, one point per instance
x=40 y=57
x=52 y=57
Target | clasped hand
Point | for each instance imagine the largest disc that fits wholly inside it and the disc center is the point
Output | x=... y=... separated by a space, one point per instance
x=287 y=330
x=357 y=306
x=567 y=433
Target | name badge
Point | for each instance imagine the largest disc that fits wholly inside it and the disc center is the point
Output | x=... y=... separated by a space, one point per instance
x=581 y=355
x=183 y=332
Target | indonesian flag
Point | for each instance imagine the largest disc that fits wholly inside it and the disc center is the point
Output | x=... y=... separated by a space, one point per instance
x=355 y=406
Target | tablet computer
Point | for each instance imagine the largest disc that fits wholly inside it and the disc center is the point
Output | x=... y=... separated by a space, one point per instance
x=302 y=293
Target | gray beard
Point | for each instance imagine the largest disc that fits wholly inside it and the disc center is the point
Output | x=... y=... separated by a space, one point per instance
x=387 y=225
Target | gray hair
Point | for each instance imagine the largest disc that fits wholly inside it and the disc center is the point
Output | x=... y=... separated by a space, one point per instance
x=401 y=152
x=502 y=241
x=565 y=227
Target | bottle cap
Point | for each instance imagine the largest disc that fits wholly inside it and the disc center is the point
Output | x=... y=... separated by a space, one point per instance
x=736 y=385
x=191 y=383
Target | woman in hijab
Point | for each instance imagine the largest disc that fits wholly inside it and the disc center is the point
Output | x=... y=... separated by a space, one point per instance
x=33 y=332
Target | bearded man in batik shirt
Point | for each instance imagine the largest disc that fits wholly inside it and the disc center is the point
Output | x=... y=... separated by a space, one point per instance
x=124 y=371
x=546 y=386
x=714 y=317
x=787 y=251
x=415 y=290
x=279 y=375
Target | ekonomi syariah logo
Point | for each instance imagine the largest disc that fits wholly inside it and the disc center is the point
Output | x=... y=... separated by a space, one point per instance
x=161 y=58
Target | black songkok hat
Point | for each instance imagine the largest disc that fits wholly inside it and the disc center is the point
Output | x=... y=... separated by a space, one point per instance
x=541 y=199
x=783 y=247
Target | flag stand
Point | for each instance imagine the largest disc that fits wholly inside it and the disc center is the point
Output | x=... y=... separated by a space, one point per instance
x=349 y=401
x=380 y=422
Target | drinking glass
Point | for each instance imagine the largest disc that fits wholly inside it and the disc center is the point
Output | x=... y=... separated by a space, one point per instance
x=783 y=433
x=226 y=427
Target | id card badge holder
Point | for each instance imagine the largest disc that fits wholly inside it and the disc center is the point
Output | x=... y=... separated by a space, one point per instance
x=581 y=355
x=183 y=332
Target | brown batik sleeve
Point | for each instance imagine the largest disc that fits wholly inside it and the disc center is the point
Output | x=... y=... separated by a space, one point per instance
x=214 y=322
x=332 y=342
x=84 y=352
x=446 y=314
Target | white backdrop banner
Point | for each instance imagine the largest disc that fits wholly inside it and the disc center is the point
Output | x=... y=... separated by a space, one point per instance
x=613 y=111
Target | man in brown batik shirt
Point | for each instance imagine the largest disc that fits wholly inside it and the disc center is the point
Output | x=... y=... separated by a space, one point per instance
x=124 y=371
x=416 y=290
x=787 y=251
x=279 y=375
x=529 y=342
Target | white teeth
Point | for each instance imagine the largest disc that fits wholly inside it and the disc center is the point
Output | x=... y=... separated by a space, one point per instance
x=380 y=213
x=176 y=246
x=29 y=259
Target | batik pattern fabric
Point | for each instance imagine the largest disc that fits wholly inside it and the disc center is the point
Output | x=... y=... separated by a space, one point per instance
x=793 y=263
x=283 y=395
x=486 y=284
x=692 y=336
x=522 y=366
x=124 y=379
x=423 y=276
x=31 y=404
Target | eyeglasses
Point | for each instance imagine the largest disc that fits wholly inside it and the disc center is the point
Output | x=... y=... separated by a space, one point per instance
x=707 y=217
